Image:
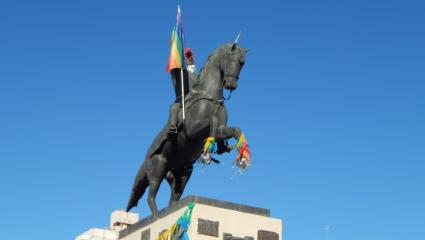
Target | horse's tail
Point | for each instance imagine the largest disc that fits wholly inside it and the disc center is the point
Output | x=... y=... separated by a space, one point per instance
x=140 y=184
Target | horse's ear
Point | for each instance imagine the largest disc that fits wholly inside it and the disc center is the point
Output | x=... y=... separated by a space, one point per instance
x=234 y=46
x=236 y=41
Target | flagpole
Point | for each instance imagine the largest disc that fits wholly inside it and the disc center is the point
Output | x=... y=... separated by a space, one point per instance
x=182 y=83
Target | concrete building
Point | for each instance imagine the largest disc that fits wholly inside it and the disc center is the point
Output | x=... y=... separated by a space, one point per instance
x=211 y=220
x=98 y=234
x=119 y=221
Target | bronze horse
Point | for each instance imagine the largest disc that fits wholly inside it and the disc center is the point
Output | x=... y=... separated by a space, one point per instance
x=206 y=115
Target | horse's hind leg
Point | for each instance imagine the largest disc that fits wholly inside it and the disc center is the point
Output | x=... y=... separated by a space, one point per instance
x=178 y=182
x=156 y=173
x=172 y=182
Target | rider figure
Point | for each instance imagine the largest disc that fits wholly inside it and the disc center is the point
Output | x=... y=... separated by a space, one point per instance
x=191 y=68
x=176 y=80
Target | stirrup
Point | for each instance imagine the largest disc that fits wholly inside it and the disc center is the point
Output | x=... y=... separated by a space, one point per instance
x=172 y=129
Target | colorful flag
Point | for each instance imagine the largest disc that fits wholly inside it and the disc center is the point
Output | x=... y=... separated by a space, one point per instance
x=177 y=59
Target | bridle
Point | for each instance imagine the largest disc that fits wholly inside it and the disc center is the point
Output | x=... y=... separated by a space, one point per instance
x=228 y=75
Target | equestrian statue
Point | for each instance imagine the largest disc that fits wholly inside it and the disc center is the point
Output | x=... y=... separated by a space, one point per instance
x=199 y=135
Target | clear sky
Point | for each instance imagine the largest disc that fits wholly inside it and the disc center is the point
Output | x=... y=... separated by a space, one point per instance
x=331 y=100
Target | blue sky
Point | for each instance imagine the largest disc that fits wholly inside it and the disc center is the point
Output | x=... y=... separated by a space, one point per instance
x=331 y=100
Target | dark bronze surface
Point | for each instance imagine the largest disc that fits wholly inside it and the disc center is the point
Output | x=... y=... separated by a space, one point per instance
x=172 y=158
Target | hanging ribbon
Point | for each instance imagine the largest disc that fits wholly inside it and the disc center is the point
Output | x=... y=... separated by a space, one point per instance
x=210 y=147
x=243 y=159
x=179 y=229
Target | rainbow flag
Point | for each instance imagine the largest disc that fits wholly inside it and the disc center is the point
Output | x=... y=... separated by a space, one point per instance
x=177 y=59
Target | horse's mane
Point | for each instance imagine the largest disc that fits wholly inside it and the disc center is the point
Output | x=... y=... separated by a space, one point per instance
x=218 y=52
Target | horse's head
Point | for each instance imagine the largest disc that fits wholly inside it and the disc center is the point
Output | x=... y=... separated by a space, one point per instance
x=231 y=64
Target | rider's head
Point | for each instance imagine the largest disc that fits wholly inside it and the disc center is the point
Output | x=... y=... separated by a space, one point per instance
x=189 y=56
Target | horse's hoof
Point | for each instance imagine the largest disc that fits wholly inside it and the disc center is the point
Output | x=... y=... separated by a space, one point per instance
x=205 y=158
x=229 y=148
x=243 y=164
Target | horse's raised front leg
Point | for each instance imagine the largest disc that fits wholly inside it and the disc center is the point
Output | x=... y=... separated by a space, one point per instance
x=155 y=173
x=225 y=132
x=199 y=127
x=204 y=127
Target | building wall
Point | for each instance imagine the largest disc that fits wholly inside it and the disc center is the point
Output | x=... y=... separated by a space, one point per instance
x=156 y=227
x=98 y=234
x=240 y=225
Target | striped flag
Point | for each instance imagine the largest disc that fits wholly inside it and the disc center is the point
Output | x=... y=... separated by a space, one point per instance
x=177 y=59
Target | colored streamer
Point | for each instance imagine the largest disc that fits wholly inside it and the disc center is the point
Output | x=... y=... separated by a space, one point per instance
x=243 y=159
x=179 y=229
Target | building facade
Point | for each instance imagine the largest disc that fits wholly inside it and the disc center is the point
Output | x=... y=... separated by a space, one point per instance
x=119 y=221
x=210 y=220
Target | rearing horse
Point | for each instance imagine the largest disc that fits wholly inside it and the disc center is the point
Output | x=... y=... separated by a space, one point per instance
x=206 y=116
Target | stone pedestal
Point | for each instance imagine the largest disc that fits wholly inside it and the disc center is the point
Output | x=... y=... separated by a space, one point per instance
x=211 y=220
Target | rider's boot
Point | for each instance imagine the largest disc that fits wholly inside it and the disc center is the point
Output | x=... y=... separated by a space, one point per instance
x=174 y=118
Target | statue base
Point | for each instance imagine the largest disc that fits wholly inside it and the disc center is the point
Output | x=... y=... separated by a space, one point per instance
x=211 y=219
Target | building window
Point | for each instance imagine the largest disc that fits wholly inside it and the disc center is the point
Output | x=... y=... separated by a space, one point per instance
x=267 y=235
x=146 y=235
x=208 y=227
x=228 y=236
